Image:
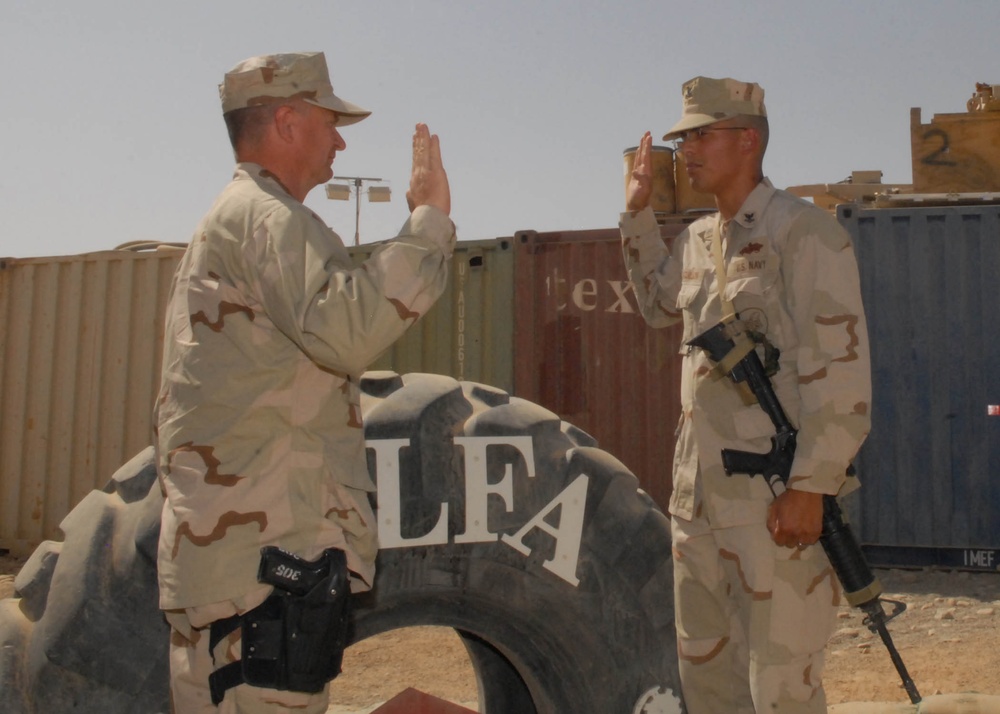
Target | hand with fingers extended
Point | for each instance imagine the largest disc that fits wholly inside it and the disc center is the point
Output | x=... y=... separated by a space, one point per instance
x=640 y=184
x=428 y=180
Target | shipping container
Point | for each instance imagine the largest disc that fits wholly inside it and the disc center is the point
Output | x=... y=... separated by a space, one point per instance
x=79 y=358
x=929 y=469
x=80 y=355
x=467 y=334
x=550 y=317
x=584 y=352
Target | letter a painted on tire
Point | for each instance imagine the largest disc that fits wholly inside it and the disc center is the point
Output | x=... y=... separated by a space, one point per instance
x=572 y=502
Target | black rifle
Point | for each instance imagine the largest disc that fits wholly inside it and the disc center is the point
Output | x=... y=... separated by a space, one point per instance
x=733 y=352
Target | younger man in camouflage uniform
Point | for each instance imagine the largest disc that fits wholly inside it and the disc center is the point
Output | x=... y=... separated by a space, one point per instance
x=268 y=330
x=755 y=596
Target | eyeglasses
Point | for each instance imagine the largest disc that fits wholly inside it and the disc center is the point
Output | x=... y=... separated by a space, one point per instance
x=700 y=133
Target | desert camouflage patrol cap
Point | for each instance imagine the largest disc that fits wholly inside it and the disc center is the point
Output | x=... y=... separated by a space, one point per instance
x=303 y=75
x=708 y=100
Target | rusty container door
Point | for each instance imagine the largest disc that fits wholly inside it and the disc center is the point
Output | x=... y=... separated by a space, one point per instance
x=583 y=351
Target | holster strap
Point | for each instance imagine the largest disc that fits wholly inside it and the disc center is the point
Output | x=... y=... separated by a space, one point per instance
x=225 y=678
x=231 y=674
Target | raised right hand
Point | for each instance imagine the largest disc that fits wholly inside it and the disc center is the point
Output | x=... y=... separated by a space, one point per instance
x=640 y=184
x=428 y=180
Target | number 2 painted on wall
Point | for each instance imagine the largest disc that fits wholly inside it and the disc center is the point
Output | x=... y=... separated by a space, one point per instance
x=934 y=158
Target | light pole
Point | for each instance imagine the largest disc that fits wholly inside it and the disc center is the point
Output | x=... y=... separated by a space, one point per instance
x=342 y=192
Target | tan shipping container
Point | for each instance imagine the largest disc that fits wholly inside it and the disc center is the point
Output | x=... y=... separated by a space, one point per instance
x=79 y=358
x=80 y=354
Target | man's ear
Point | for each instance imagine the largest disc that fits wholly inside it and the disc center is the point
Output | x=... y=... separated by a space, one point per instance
x=285 y=122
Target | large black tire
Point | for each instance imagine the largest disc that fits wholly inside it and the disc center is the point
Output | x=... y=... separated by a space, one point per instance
x=560 y=586
x=83 y=632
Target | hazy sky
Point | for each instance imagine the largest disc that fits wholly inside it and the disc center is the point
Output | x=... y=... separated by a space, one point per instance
x=113 y=133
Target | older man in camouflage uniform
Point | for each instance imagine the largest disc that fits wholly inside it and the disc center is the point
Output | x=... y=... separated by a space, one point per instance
x=755 y=596
x=269 y=327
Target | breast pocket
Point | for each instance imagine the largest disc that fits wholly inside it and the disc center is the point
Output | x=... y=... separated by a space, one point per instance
x=691 y=299
x=750 y=278
x=754 y=294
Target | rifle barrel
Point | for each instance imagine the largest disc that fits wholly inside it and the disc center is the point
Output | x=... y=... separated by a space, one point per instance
x=876 y=619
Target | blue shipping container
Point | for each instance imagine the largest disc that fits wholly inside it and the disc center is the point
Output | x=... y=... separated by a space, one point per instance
x=929 y=469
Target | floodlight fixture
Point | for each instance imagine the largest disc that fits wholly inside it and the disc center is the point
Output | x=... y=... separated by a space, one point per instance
x=342 y=192
x=338 y=192
x=379 y=194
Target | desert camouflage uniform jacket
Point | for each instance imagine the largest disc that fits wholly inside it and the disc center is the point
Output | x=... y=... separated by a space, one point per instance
x=793 y=278
x=269 y=327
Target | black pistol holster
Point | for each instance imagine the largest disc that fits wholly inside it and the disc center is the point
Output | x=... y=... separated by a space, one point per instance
x=295 y=639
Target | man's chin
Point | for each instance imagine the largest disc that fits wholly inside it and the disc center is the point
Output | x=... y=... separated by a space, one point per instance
x=698 y=185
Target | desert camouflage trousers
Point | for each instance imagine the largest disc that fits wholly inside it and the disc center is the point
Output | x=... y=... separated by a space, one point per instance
x=191 y=662
x=753 y=620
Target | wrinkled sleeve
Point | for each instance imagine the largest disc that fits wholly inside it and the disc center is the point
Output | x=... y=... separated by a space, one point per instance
x=344 y=316
x=833 y=361
x=652 y=272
